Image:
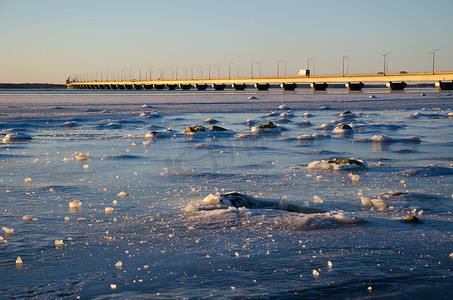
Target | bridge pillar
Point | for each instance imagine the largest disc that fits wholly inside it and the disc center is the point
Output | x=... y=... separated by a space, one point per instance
x=159 y=86
x=218 y=87
x=444 y=85
x=201 y=86
x=396 y=86
x=185 y=86
x=171 y=87
x=238 y=87
x=262 y=86
x=319 y=86
x=288 y=86
x=354 y=86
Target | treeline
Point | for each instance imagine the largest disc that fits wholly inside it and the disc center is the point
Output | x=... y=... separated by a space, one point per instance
x=32 y=86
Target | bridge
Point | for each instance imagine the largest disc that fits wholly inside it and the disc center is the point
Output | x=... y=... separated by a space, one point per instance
x=394 y=81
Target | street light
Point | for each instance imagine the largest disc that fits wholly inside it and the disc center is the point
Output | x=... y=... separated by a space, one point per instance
x=278 y=67
x=191 y=71
x=218 y=70
x=308 y=64
x=181 y=68
x=172 y=72
x=229 y=69
x=386 y=62
x=434 y=54
x=151 y=72
x=347 y=68
x=258 y=63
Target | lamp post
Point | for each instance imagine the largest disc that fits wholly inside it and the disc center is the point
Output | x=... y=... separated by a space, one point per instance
x=229 y=69
x=218 y=70
x=434 y=55
x=258 y=63
x=181 y=68
x=314 y=64
x=172 y=72
x=191 y=71
x=386 y=62
x=347 y=68
x=278 y=67
x=151 y=72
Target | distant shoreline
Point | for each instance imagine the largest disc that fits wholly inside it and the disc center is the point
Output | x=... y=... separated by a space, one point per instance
x=53 y=86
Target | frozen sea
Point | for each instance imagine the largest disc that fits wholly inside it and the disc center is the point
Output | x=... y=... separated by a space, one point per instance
x=331 y=230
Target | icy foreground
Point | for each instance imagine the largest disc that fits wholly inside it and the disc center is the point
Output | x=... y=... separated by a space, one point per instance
x=111 y=195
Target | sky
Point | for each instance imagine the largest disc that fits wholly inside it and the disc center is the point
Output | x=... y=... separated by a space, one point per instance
x=45 y=41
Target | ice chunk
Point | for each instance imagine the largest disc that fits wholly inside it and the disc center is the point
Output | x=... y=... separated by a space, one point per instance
x=35 y=161
x=379 y=203
x=27 y=218
x=329 y=264
x=287 y=115
x=366 y=202
x=317 y=199
x=108 y=210
x=382 y=139
x=28 y=180
x=113 y=286
x=18 y=261
x=315 y=273
x=343 y=130
x=211 y=121
x=119 y=265
x=190 y=208
x=82 y=156
x=59 y=243
x=75 y=204
x=122 y=194
x=161 y=134
x=283 y=107
x=337 y=164
x=354 y=177
x=305 y=137
x=211 y=200
x=16 y=137
x=8 y=230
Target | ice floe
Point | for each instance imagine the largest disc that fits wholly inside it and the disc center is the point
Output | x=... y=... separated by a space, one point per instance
x=16 y=137
x=80 y=157
x=151 y=115
x=338 y=164
x=169 y=133
x=8 y=231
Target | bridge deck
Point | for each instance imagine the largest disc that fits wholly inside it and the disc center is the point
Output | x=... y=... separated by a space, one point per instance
x=396 y=77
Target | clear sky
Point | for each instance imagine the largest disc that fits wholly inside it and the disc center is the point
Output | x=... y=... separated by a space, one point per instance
x=48 y=40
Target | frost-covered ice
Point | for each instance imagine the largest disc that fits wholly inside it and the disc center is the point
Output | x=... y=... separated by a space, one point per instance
x=16 y=137
x=153 y=217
